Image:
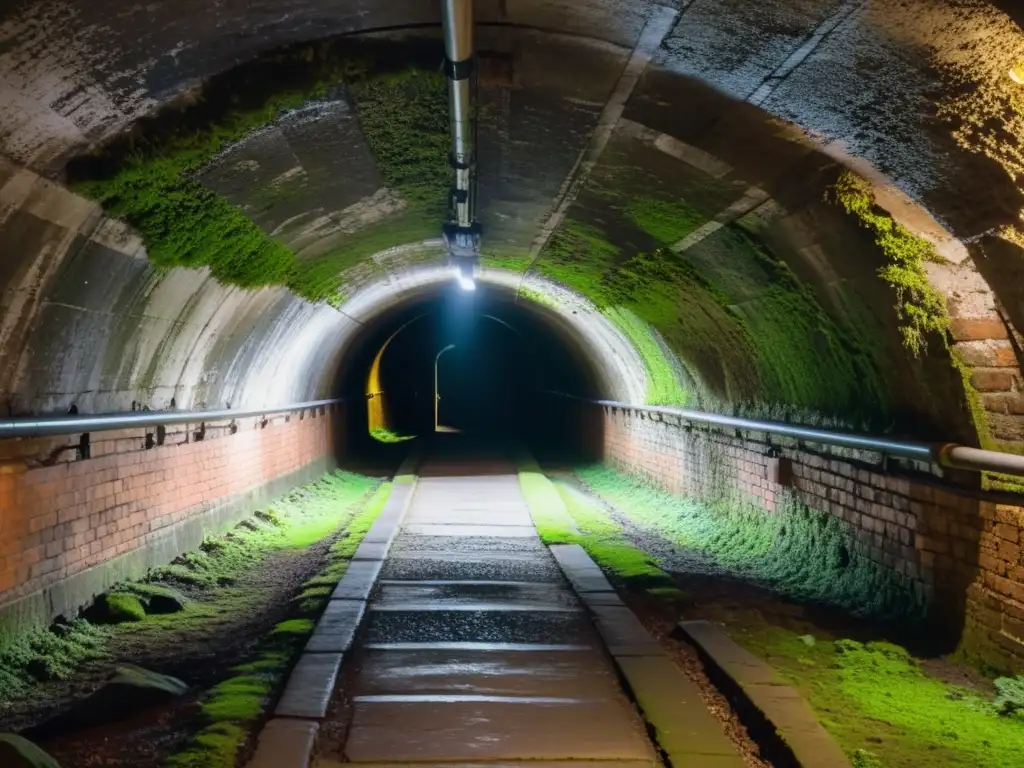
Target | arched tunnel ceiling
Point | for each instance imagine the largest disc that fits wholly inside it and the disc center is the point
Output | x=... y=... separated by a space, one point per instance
x=670 y=161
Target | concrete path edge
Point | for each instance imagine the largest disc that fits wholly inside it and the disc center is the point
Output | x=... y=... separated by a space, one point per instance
x=681 y=725
x=783 y=709
x=287 y=740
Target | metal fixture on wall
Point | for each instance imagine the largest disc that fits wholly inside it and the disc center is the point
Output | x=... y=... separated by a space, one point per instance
x=462 y=231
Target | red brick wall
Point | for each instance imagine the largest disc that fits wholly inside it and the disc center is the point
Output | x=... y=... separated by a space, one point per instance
x=960 y=553
x=59 y=520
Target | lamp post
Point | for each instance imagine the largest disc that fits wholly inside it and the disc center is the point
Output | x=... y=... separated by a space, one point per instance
x=437 y=394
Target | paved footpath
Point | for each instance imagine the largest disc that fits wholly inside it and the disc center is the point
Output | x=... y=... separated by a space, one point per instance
x=475 y=649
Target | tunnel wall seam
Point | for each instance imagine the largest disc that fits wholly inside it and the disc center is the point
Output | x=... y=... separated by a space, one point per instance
x=72 y=530
x=962 y=555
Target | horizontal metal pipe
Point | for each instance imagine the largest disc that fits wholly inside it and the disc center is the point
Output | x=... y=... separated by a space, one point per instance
x=943 y=454
x=43 y=426
x=980 y=460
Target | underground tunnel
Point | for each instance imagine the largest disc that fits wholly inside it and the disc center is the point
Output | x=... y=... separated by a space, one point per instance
x=452 y=382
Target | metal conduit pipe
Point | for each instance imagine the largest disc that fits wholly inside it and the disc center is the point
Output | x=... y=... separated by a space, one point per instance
x=462 y=231
x=457 y=18
x=43 y=426
x=949 y=455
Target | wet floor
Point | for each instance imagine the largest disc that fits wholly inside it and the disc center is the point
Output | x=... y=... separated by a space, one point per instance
x=475 y=648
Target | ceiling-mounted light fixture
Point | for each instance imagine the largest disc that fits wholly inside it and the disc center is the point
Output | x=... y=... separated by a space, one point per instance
x=1017 y=74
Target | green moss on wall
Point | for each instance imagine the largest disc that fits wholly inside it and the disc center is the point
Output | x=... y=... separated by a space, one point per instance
x=667 y=221
x=745 y=328
x=800 y=553
x=580 y=257
x=147 y=179
x=538 y=297
x=663 y=385
x=405 y=119
x=921 y=308
x=505 y=257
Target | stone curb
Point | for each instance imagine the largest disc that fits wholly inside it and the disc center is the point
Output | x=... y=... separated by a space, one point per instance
x=671 y=704
x=285 y=742
x=782 y=707
x=289 y=738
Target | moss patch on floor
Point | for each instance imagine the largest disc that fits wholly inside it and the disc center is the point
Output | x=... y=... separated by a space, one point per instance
x=213 y=577
x=385 y=435
x=232 y=707
x=48 y=654
x=124 y=606
x=795 y=551
x=148 y=177
x=885 y=709
x=564 y=516
x=301 y=518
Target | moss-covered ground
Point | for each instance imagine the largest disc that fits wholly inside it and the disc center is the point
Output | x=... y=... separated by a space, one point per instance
x=565 y=517
x=148 y=177
x=249 y=599
x=385 y=435
x=885 y=707
x=232 y=708
x=48 y=654
x=797 y=552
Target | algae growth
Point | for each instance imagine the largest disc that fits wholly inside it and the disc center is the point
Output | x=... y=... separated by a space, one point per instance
x=796 y=551
x=563 y=516
x=746 y=330
x=232 y=707
x=920 y=307
x=885 y=709
x=215 y=578
x=148 y=177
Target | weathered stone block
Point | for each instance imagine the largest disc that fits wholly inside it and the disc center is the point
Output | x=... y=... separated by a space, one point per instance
x=978 y=328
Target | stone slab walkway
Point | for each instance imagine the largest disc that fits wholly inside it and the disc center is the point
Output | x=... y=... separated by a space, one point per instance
x=475 y=649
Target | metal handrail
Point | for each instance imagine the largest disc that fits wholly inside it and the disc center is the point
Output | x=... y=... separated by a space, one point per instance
x=45 y=426
x=949 y=455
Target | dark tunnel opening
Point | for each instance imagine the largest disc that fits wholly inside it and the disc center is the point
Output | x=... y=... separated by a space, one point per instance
x=480 y=364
